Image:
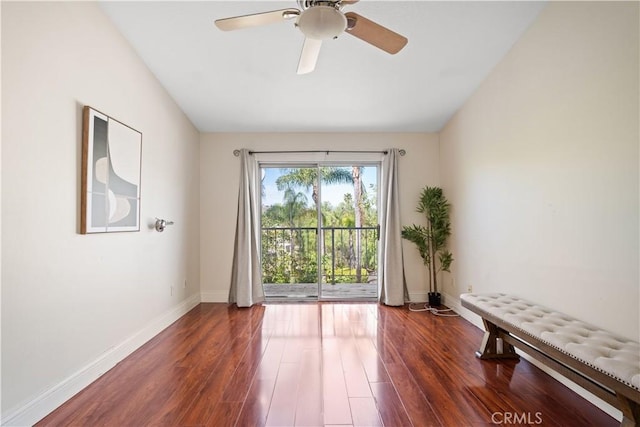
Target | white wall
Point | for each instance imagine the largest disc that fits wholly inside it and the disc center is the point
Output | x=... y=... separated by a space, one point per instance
x=541 y=166
x=70 y=299
x=220 y=173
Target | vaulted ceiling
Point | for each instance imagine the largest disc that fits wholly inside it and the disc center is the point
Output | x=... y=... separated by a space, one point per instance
x=246 y=81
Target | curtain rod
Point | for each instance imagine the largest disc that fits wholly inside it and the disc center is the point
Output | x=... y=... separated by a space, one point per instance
x=237 y=152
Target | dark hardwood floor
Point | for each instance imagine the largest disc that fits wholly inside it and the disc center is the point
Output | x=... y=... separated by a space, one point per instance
x=321 y=364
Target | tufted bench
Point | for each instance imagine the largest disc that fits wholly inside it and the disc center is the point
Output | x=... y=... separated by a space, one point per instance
x=603 y=363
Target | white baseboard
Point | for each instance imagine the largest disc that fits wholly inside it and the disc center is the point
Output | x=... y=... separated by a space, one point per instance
x=418 y=296
x=447 y=300
x=214 y=296
x=43 y=404
x=595 y=400
x=450 y=301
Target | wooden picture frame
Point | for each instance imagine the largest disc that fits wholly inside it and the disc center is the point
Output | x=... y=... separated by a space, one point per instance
x=111 y=174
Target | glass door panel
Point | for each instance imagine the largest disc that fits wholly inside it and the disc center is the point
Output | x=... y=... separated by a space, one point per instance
x=289 y=227
x=349 y=228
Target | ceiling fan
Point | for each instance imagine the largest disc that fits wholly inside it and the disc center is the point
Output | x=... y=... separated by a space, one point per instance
x=321 y=20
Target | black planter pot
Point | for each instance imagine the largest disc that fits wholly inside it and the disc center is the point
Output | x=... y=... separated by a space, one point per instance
x=435 y=299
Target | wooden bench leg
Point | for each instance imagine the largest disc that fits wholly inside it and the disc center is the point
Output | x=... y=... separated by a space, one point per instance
x=489 y=347
x=630 y=412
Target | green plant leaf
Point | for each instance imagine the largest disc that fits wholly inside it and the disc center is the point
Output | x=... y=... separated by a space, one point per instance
x=431 y=239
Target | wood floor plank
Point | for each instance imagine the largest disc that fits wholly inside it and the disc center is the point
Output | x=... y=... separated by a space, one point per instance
x=334 y=388
x=319 y=364
x=390 y=406
x=373 y=365
x=211 y=392
x=354 y=371
x=270 y=362
x=236 y=390
x=416 y=404
x=224 y=414
x=282 y=411
x=309 y=410
x=364 y=412
x=256 y=407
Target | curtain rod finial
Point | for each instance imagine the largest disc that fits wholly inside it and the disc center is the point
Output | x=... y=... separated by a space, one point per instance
x=236 y=153
x=402 y=151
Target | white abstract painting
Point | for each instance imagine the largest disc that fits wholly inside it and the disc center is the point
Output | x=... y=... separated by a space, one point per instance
x=111 y=162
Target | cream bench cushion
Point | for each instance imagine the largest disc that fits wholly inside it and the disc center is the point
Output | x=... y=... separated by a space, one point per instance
x=611 y=354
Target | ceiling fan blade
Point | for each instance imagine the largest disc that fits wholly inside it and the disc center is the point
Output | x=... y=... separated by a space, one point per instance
x=256 y=19
x=375 y=34
x=309 y=55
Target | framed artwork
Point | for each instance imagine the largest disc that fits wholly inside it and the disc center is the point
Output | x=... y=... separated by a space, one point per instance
x=111 y=163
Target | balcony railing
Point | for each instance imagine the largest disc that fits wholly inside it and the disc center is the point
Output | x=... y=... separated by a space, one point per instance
x=348 y=255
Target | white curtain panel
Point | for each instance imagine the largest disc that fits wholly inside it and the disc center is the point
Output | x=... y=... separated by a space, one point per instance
x=392 y=287
x=246 y=287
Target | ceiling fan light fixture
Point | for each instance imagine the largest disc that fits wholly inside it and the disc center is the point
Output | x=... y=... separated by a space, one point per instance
x=322 y=22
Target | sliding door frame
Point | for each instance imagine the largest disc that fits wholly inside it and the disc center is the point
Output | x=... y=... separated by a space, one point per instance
x=291 y=164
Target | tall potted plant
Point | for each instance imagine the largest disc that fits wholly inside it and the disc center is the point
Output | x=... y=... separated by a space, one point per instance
x=431 y=239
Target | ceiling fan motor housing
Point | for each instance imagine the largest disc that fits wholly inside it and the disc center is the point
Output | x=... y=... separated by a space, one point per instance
x=322 y=22
x=306 y=4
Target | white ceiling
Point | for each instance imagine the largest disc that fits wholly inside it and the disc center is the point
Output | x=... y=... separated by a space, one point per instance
x=246 y=81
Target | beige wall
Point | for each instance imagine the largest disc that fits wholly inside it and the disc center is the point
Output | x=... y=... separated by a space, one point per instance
x=541 y=165
x=68 y=300
x=219 y=177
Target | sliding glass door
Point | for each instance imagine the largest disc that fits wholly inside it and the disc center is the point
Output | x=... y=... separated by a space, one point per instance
x=319 y=236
